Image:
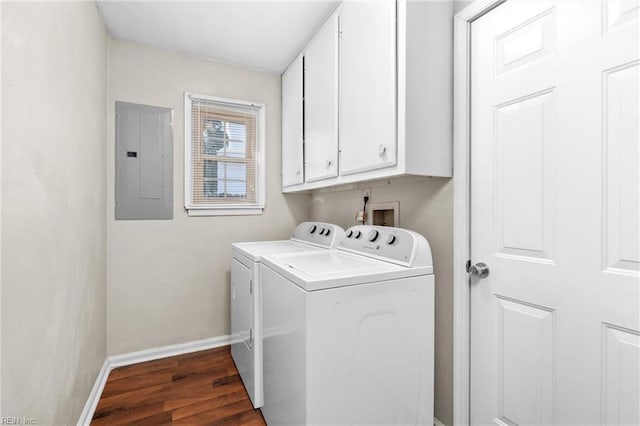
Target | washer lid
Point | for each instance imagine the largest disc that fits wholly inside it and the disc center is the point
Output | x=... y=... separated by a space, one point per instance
x=256 y=250
x=329 y=269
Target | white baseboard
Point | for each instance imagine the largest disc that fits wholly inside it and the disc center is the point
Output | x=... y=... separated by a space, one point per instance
x=94 y=395
x=150 y=354
x=167 y=351
x=437 y=422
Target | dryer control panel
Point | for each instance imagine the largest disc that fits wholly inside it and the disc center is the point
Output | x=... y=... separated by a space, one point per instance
x=395 y=245
x=319 y=233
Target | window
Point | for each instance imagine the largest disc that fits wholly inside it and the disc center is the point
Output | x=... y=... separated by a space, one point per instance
x=224 y=156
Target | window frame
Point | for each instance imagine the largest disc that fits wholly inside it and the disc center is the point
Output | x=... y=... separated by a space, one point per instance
x=230 y=208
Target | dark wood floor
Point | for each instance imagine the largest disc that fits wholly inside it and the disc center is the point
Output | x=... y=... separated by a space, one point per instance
x=197 y=388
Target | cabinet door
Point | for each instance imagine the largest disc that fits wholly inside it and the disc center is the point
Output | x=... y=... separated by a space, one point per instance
x=292 y=119
x=321 y=104
x=367 y=85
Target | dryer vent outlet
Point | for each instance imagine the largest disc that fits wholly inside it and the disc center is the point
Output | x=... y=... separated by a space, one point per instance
x=384 y=214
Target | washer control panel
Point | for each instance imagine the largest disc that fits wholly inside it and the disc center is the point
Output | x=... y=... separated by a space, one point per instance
x=395 y=245
x=320 y=233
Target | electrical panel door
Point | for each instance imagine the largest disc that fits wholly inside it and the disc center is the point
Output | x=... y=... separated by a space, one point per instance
x=144 y=162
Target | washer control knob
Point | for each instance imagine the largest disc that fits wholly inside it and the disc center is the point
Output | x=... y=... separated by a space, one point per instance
x=313 y=229
x=392 y=239
x=327 y=232
x=350 y=234
x=322 y=231
x=373 y=235
x=358 y=234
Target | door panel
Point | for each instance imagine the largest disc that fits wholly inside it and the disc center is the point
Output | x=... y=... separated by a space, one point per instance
x=619 y=12
x=621 y=187
x=555 y=211
x=525 y=169
x=367 y=84
x=621 y=376
x=525 y=363
x=526 y=43
x=292 y=122
x=321 y=104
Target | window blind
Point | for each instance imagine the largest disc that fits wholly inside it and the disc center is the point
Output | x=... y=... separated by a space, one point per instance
x=223 y=153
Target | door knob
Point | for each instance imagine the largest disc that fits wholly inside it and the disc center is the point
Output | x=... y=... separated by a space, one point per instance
x=479 y=270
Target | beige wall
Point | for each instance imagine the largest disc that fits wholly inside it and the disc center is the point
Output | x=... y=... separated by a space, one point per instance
x=458 y=5
x=425 y=207
x=168 y=281
x=53 y=208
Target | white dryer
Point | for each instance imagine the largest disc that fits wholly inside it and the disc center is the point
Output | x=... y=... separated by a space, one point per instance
x=246 y=329
x=348 y=334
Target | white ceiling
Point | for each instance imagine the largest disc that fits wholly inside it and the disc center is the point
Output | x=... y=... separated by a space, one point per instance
x=258 y=34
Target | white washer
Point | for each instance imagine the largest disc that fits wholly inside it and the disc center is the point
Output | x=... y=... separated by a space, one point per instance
x=246 y=317
x=348 y=334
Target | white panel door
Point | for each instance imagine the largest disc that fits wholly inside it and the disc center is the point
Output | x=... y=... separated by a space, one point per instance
x=292 y=122
x=555 y=213
x=321 y=104
x=367 y=85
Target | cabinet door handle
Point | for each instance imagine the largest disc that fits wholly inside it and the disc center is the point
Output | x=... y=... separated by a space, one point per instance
x=329 y=163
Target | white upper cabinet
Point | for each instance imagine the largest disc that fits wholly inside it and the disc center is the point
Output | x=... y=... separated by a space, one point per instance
x=321 y=103
x=292 y=124
x=391 y=113
x=367 y=81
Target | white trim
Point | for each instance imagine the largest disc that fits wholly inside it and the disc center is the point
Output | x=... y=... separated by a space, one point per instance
x=94 y=395
x=221 y=100
x=461 y=205
x=229 y=209
x=167 y=351
x=226 y=211
x=402 y=180
x=145 y=355
x=437 y=422
x=187 y=149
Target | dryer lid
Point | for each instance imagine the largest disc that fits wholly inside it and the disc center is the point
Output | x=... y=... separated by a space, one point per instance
x=256 y=250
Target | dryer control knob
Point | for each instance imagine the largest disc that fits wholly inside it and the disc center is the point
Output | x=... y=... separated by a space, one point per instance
x=322 y=231
x=312 y=229
x=358 y=234
x=373 y=235
x=392 y=239
x=350 y=234
x=327 y=232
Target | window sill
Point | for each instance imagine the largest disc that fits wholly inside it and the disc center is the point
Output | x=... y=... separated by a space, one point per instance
x=225 y=212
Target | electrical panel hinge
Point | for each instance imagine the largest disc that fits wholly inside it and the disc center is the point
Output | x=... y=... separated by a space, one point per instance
x=467 y=266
